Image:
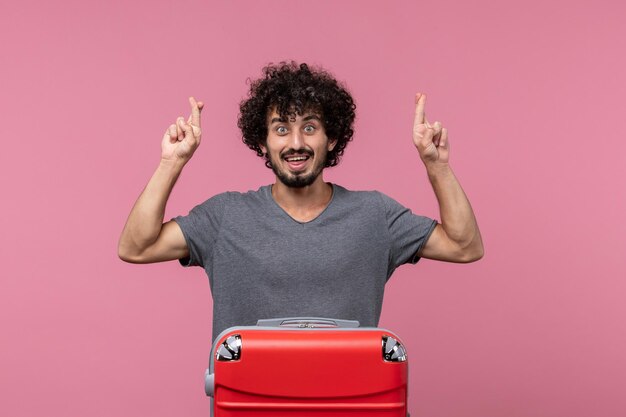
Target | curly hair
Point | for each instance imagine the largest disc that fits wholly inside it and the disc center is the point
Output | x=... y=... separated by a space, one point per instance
x=293 y=89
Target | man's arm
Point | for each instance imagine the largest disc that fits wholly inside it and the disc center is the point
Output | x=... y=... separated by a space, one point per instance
x=145 y=238
x=457 y=238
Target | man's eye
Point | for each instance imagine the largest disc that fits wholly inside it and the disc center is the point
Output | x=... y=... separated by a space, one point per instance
x=309 y=129
x=281 y=130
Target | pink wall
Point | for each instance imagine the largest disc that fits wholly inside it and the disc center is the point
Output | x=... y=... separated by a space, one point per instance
x=532 y=94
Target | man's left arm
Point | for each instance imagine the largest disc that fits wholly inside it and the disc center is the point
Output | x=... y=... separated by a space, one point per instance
x=457 y=238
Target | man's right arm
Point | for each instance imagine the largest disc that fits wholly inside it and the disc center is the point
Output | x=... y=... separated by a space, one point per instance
x=145 y=237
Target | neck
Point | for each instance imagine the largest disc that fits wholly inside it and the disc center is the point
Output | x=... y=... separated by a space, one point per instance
x=303 y=200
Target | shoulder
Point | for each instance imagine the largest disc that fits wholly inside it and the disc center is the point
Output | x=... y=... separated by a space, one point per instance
x=228 y=198
x=371 y=199
x=358 y=196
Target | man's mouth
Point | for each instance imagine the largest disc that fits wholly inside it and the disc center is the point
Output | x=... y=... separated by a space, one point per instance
x=296 y=158
x=297 y=162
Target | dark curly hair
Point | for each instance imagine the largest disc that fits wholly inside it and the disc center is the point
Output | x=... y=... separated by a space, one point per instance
x=295 y=89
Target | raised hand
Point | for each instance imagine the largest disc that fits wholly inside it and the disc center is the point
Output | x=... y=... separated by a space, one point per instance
x=431 y=141
x=182 y=138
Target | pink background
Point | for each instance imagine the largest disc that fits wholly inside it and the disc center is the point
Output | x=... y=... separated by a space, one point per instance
x=532 y=94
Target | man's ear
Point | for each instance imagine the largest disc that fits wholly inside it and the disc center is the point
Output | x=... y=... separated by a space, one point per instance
x=263 y=148
x=331 y=144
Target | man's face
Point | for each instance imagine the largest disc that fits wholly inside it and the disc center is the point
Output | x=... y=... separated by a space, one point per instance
x=297 y=147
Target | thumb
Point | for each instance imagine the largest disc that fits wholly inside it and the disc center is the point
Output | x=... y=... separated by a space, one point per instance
x=424 y=133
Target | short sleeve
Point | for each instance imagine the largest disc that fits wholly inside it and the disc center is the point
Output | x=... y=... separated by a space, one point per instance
x=408 y=232
x=201 y=228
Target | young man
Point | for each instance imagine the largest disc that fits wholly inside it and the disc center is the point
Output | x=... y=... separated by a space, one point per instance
x=301 y=246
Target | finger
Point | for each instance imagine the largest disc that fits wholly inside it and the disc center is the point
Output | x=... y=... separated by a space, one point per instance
x=443 y=142
x=173 y=134
x=432 y=132
x=179 y=129
x=437 y=126
x=195 y=111
x=420 y=105
x=437 y=129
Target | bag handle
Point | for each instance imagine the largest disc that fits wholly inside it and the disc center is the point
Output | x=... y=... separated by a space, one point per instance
x=308 y=322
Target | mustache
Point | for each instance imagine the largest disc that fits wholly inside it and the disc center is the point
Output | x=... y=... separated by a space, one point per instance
x=291 y=152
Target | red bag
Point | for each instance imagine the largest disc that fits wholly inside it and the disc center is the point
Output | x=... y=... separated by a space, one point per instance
x=307 y=367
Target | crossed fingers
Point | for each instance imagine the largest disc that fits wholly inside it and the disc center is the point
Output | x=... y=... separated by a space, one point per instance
x=179 y=130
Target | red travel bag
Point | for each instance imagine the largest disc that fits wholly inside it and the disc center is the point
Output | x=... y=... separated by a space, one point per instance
x=307 y=367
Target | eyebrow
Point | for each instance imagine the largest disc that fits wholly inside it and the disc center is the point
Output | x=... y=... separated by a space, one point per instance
x=312 y=117
x=277 y=120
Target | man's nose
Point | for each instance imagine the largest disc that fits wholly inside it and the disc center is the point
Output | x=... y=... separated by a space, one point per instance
x=296 y=140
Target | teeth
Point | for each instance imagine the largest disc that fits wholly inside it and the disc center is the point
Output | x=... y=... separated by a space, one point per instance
x=297 y=158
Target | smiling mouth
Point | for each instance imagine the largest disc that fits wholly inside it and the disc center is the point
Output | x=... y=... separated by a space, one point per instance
x=297 y=162
x=296 y=158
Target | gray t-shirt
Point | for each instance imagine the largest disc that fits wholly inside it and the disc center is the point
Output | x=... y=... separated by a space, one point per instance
x=263 y=264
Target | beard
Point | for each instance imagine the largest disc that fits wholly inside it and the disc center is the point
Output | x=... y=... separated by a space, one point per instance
x=298 y=180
